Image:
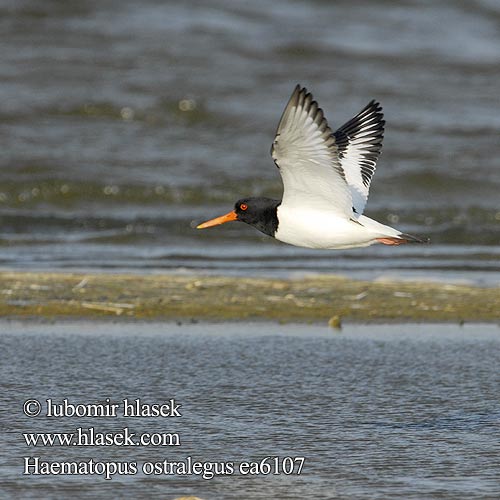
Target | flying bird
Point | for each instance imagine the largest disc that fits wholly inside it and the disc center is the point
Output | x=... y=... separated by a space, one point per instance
x=326 y=179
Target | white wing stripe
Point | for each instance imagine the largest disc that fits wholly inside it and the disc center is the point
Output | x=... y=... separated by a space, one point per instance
x=306 y=154
x=320 y=168
x=359 y=142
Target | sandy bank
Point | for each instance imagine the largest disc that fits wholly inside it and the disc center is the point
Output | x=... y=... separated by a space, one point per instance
x=42 y=295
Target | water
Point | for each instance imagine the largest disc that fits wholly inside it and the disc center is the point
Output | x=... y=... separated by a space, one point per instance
x=387 y=411
x=125 y=123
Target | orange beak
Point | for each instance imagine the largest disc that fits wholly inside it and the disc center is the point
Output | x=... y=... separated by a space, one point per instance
x=219 y=220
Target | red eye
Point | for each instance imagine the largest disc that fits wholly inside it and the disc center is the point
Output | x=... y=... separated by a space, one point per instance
x=243 y=206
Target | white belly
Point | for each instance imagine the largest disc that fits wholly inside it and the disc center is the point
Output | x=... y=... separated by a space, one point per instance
x=319 y=229
x=312 y=228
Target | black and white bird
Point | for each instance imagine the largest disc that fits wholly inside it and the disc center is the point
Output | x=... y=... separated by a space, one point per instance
x=326 y=178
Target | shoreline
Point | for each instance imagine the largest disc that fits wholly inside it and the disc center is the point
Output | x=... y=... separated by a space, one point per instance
x=40 y=296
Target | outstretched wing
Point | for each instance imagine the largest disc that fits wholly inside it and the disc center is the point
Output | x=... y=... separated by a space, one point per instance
x=306 y=154
x=359 y=142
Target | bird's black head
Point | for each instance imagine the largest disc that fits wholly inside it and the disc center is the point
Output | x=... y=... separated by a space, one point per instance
x=260 y=213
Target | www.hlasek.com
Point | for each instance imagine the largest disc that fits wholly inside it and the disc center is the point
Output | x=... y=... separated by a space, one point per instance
x=90 y=437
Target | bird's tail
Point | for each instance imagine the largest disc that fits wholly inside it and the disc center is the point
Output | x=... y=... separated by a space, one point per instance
x=388 y=235
x=402 y=238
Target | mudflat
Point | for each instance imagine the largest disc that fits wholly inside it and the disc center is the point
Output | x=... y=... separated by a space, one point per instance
x=53 y=295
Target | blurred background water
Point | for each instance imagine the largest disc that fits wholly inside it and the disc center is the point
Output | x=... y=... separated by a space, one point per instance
x=378 y=411
x=122 y=124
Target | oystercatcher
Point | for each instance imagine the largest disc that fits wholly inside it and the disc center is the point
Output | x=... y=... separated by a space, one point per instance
x=326 y=177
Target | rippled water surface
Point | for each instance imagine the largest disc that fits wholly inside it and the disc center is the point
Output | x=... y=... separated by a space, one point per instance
x=401 y=411
x=124 y=123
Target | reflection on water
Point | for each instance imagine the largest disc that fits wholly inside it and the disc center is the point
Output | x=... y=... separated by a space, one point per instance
x=124 y=122
x=403 y=411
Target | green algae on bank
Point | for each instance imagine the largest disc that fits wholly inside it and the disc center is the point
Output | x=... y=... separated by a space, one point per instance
x=45 y=295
